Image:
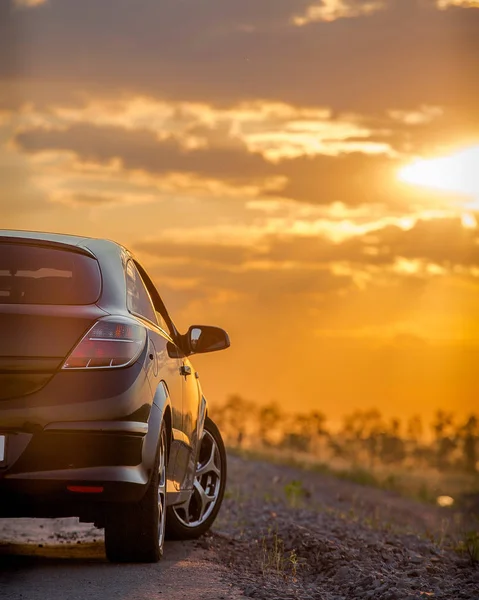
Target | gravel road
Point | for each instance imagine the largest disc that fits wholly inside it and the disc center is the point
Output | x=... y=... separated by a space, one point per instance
x=282 y=534
x=56 y=568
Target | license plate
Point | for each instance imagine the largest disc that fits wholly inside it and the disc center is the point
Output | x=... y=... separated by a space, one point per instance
x=3 y=441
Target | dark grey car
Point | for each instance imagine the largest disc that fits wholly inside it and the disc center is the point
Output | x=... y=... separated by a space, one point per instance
x=101 y=412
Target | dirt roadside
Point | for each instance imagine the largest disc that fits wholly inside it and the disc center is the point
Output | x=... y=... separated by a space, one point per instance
x=290 y=534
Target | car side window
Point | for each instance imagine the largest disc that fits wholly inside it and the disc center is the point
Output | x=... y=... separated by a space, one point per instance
x=162 y=314
x=137 y=297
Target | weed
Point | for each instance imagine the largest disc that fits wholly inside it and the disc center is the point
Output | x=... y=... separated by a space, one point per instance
x=294 y=562
x=295 y=492
x=469 y=545
x=272 y=557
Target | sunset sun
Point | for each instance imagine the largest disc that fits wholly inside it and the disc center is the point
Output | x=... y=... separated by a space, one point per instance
x=455 y=173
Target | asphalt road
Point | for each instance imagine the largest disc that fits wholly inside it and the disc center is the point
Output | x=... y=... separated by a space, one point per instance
x=51 y=569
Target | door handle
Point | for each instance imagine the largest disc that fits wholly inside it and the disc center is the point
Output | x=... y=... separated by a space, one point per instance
x=185 y=370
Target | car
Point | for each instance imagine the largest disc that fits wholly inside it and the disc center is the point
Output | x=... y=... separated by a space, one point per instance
x=102 y=416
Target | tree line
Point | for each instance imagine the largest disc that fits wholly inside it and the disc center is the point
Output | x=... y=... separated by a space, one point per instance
x=364 y=436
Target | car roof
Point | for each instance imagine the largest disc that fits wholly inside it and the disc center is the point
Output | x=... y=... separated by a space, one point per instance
x=92 y=244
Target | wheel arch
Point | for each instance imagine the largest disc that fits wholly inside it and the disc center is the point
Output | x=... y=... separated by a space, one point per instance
x=161 y=410
x=162 y=401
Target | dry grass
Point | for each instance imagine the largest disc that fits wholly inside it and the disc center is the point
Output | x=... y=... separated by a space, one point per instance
x=426 y=485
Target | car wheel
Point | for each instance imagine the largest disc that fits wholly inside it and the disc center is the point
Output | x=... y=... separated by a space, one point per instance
x=136 y=532
x=195 y=516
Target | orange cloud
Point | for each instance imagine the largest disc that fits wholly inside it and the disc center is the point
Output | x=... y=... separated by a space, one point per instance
x=444 y=4
x=331 y=10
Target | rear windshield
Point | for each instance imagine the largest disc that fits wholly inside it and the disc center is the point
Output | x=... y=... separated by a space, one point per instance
x=36 y=275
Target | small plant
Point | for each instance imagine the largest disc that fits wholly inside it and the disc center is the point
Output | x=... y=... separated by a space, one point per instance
x=275 y=560
x=295 y=492
x=272 y=559
x=294 y=562
x=469 y=545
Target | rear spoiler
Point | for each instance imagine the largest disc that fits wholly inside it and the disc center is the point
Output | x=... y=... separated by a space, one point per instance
x=5 y=239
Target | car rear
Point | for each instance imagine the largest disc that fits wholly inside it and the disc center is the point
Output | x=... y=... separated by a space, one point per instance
x=74 y=397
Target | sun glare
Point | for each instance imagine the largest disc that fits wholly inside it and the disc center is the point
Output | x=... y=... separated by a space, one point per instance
x=457 y=173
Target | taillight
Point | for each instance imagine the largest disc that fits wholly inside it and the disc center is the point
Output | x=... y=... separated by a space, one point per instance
x=111 y=342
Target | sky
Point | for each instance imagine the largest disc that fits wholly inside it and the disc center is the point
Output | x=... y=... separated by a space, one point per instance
x=304 y=173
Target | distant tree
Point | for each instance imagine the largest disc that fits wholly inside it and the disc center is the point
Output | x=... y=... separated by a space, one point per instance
x=415 y=445
x=374 y=429
x=316 y=429
x=361 y=431
x=295 y=441
x=469 y=438
x=445 y=437
x=304 y=432
x=443 y=424
x=235 y=417
x=269 y=417
x=415 y=429
x=393 y=448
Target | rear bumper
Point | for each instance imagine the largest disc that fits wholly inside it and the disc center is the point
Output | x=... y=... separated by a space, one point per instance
x=46 y=493
x=42 y=466
x=82 y=429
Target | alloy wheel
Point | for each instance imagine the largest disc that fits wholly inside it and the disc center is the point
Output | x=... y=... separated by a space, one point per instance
x=206 y=487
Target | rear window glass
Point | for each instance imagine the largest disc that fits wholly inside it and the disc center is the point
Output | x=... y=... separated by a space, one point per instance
x=36 y=275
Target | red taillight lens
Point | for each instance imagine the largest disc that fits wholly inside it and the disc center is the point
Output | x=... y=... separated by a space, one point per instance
x=111 y=342
x=85 y=489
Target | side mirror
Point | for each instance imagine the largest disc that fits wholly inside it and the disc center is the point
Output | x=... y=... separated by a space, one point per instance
x=205 y=338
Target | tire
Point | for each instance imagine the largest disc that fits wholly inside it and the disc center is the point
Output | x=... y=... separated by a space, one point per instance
x=135 y=532
x=193 y=518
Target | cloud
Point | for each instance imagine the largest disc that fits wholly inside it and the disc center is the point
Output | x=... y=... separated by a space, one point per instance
x=141 y=149
x=445 y=243
x=223 y=52
x=445 y=4
x=331 y=10
x=219 y=254
x=253 y=284
x=352 y=179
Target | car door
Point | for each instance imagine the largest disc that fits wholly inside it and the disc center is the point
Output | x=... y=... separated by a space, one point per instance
x=184 y=443
x=165 y=364
x=191 y=410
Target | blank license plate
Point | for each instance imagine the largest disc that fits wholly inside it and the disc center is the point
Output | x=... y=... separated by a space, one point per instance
x=3 y=440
